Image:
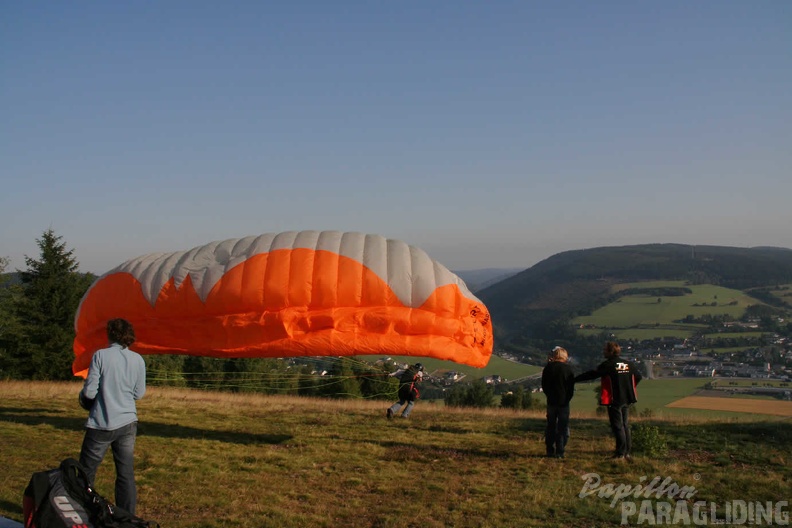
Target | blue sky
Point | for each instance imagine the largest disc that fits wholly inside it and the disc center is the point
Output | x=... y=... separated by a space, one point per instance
x=490 y=134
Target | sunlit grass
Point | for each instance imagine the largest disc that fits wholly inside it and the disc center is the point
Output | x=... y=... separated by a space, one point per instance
x=649 y=316
x=207 y=459
x=641 y=334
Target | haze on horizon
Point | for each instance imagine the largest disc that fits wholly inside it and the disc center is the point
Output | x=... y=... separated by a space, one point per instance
x=490 y=135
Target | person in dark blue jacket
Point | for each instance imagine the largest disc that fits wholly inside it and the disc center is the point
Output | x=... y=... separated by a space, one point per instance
x=619 y=379
x=558 y=385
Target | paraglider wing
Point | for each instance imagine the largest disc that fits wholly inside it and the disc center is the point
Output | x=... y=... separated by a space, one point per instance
x=307 y=293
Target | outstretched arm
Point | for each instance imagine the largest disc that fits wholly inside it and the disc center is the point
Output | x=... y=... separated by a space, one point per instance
x=592 y=374
x=586 y=376
x=637 y=376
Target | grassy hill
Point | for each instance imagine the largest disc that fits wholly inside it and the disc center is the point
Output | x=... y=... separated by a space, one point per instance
x=533 y=303
x=655 y=395
x=647 y=313
x=10 y=279
x=229 y=460
x=479 y=279
x=497 y=366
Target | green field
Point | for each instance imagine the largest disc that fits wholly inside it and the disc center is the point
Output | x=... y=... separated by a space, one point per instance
x=648 y=316
x=497 y=366
x=724 y=350
x=732 y=335
x=721 y=382
x=652 y=393
x=655 y=394
x=783 y=293
x=639 y=334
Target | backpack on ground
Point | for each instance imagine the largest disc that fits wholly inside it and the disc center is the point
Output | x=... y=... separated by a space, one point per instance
x=65 y=498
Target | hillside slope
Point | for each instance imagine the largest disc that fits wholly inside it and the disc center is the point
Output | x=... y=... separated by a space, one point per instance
x=479 y=279
x=576 y=282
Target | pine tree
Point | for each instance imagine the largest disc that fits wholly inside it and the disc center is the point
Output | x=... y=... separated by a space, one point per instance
x=480 y=395
x=51 y=291
x=344 y=383
x=10 y=329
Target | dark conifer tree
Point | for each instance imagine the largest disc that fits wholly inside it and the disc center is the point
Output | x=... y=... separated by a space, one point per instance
x=50 y=293
x=10 y=329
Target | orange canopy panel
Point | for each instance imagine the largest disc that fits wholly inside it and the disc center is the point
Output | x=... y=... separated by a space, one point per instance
x=308 y=293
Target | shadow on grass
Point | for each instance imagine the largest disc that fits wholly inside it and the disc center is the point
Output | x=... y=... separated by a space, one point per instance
x=450 y=430
x=744 y=441
x=760 y=442
x=534 y=425
x=27 y=410
x=27 y=417
x=414 y=451
x=12 y=507
x=163 y=430
x=153 y=429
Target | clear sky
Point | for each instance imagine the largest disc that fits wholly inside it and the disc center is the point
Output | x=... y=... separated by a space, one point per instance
x=490 y=134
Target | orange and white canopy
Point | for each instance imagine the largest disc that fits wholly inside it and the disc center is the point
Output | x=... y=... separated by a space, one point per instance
x=307 y=293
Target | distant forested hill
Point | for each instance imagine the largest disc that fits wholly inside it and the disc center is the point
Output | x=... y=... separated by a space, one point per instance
x=538 y=303
x=481 y=278
x=9 y=279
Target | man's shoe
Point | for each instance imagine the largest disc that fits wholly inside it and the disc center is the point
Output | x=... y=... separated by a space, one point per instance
x=389 y=414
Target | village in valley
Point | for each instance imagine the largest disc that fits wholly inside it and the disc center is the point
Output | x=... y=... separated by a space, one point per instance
x=741 y=358
x=747 y=357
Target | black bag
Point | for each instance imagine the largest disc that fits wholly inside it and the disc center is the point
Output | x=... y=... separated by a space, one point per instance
x=64 y=498
x=85 y=402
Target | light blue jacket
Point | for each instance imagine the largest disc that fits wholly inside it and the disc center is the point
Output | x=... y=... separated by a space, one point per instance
x=116 y=378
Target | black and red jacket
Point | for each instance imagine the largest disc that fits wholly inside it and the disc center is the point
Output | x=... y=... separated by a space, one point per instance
x=619 y=379
x=408 y=384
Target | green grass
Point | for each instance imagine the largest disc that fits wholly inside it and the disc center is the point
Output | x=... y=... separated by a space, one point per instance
x=643 y=317
x=732 y=335
x=227 y=460
x=497 y=366
x=742 y=383
x=724 y=350
x=655 y=394
x=782 y=293
x=640 y=334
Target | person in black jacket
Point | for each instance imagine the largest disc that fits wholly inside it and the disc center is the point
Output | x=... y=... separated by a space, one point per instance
x=619 y=378
x=558 y=385
x=408 y=389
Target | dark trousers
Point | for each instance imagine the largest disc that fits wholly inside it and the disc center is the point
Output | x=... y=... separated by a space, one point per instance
x=122 y=442
x=619 y=416
x=557 y=430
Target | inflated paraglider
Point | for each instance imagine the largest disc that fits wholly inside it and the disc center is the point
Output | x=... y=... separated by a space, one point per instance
x=307 y=293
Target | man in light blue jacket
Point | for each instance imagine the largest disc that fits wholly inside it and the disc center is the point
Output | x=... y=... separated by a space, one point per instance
x=116 y=378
